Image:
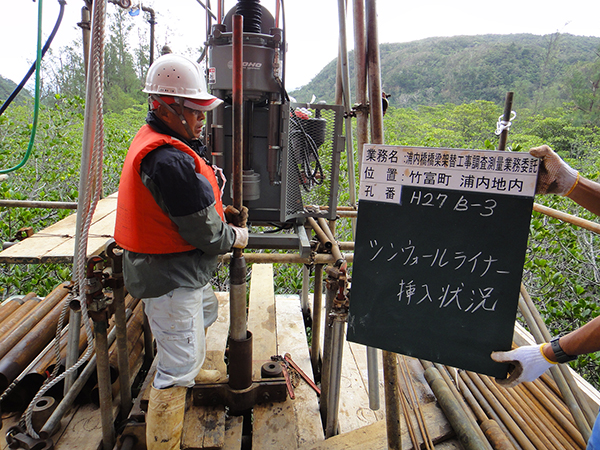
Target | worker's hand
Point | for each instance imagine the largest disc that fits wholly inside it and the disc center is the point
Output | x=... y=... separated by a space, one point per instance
x=235 y=217
x=241 y=237
x=555 y=175
x=528 y=363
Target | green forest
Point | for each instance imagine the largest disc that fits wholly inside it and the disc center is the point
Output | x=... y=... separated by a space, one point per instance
x=445 y=92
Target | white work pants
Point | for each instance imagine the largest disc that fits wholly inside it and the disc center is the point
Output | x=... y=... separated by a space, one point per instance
x=177 y=320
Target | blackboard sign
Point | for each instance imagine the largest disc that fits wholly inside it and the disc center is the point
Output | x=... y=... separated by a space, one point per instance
x=440 y=245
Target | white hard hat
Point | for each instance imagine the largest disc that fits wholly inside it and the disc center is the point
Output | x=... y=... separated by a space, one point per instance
x=177 y=76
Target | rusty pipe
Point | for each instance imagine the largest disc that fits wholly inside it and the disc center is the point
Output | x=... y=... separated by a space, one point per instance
x=10 y=306
x=321 y=236
x=467 y=386
x=317 y=323
x=524 y=423
x=495 y=435
x=477 y=399
x=392 y=402
x=511 y=423
x=535 y=424
x=531 y=403
x=335 y=249
x=563 y=378
x=47 y=305
x=15 y=360
x=467 y=432
x=558 y=411
x=70 y=397
x=287 y=258
x=30 y=301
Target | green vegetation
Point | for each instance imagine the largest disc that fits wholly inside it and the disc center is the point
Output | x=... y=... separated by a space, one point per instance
x=445 y=93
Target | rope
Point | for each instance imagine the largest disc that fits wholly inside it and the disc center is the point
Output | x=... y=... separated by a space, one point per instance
x=91 y=195
x=502 y=125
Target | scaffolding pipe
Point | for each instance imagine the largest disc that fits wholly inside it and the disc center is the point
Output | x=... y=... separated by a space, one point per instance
x=390 y=369
x=317 y=321
x=122 y=351
x=304 y=303
x=327 y=351
x=37 y=204
x=345 y=76
x=288 y=258
x=335 y=374
x=104 y=388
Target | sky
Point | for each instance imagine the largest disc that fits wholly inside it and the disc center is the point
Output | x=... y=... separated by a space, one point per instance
x=312 y=26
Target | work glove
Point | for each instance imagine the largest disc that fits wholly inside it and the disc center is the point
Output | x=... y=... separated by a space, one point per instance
x=555 y=175
x=528 y=364
x=241 y=237
x=235 y=217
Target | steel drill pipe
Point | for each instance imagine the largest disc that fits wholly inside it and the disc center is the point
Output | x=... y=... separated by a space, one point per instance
x=468 y=387
x=558 y=411
x=477 y=402
x=570 y=392
x=104 y=384
x=523 y=422
x=9 y=341
x=545 y=416
x=511 y=423
x=9 y=307
x=495 y=435
x=14 y=361
x=25 y=390
x=531 y=417
x=467 y=432
x=30 y=301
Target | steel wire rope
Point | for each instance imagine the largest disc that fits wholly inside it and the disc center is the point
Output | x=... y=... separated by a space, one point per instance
x=91 y=196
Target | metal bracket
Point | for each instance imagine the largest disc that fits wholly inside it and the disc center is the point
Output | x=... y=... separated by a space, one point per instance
x=16 y=437
x=263 y=391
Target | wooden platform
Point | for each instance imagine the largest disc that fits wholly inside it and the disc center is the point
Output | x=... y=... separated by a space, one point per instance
x=56 y=243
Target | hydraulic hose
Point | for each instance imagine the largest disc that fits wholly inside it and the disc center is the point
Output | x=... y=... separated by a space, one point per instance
x=37 y=67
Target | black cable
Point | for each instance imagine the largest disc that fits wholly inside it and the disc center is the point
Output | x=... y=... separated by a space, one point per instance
x=21 y=85
x=308 y=177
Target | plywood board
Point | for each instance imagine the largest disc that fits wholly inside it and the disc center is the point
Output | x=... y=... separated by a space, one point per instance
x=56 y=243
x=291 y=338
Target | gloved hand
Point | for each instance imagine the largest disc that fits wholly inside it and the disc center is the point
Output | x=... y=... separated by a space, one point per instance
x=528 y=362
x=235 y=217
x=555 y=175
x=241 y=237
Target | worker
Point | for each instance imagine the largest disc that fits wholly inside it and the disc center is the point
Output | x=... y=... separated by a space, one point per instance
x=171 y=224
x=531 y=361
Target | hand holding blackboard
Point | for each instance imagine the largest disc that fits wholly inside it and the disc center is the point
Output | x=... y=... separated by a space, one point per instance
x=526 y=364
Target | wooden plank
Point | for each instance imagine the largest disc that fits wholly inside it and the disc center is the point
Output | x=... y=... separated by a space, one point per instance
x=33 y=249
x=273 y=423
x=261 y=316
x=204 y=427
x=100 y=233
x=233 y=433
x=291 y=338
x=374 y=436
